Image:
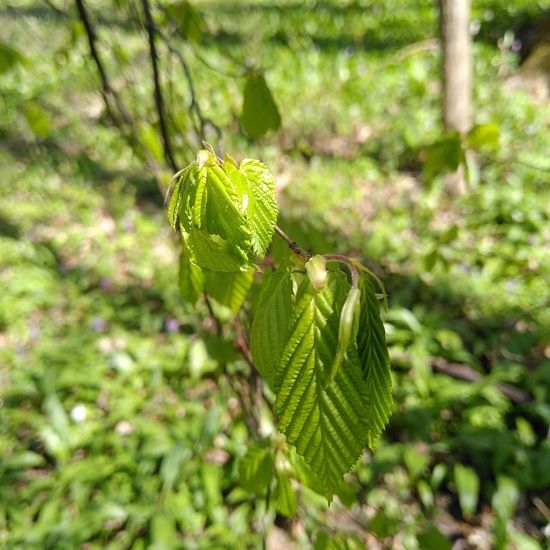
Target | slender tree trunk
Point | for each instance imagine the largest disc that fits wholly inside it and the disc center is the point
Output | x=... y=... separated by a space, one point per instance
x=457 y=73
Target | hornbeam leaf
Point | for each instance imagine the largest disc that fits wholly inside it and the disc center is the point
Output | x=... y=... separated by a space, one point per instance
x=226 y=214
x=262 y=203
x=229 y=289
x=375 y=362
x=285 y=497
x=256 y=469
x=270 y=326
x=326 y=423
x=191 y=279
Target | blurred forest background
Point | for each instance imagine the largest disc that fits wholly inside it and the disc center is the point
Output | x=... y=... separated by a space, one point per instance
x=125 y=412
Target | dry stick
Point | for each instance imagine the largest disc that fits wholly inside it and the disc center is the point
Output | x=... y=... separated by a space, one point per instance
x=159 y=102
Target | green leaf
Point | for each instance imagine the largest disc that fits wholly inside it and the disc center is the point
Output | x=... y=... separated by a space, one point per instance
x=375 y=362
x=467 y=486
x=483 y=136
x=262 y=203
x=190 y=21
x=270 y=326
x=285 y=497
x=229 y=289
x=191 y=279
x=256 y=469
x=9 y=58
x=226 y=214
x=432 y=539
x=326 y=424
x=151 y=141
x=260 y=113
x=445 y=155
x=38 y=119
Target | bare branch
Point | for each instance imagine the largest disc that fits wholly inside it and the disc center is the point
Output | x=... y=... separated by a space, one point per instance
x=159 y=102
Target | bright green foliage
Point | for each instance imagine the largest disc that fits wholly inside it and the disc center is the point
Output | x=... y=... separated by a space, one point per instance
x=256 y=469
x=375 y=362
x=226 y=213
x=270 y=326
x=191 y=279
x=228 y=288
x=285 y=497
x=317 y=341
x=9 y=58
x=260 y=113
x=326 y=424
x=38 y=119
x=467 y=486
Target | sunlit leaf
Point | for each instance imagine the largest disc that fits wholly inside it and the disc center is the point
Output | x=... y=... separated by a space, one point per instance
x=326 y=424
x=375 y=362
x=229 y=289
x=271 y=319
x=260 y=113
x=38 y=119
x=191 y=278
x=256 y=469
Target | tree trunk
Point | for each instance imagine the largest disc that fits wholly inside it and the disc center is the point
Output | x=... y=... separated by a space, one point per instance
x=457 y=73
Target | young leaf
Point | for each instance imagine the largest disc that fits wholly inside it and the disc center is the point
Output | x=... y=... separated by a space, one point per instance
x=285 y=497
x=375 y=362
x=467 y=485
x=191 y=279
x=256 y=469
x=229 y=289
x=190 y=22
x=271 y=320
x=262 y=203
x=38 y=119
x=260 y=113
x=226 y=214
x=9 y=58
x=327 y=424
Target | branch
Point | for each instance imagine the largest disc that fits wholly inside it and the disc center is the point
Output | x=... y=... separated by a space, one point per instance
x=194 y=106
x=110 y=95
x=159 y=103
x=292 y=244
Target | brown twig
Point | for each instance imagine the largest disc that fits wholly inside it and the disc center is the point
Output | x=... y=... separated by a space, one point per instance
x=159 y=102
x=292 y=244
x=116 y=108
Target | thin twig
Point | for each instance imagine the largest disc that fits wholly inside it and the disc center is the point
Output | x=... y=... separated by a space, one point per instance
x=115 y=106
x=292 y=244
x=159 y=102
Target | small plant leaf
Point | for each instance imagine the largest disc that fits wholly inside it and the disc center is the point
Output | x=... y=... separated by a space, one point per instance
x=260 y=113
x=467 y=486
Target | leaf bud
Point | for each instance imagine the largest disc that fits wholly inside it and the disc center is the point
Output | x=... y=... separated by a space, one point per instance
x=316 y=268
